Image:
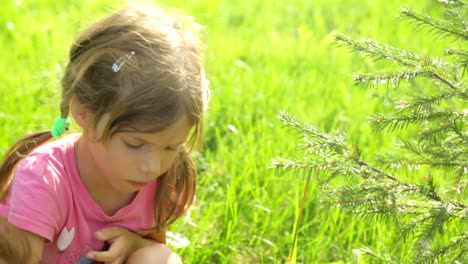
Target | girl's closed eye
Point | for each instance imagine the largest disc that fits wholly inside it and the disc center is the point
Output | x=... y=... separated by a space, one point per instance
x=133 y=146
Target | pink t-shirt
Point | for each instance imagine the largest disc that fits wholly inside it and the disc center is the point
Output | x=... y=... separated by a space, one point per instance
x=49 y=199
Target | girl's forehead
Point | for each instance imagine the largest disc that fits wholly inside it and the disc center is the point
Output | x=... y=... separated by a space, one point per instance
x=181 y=121
x=177 y=131
x=156 y=138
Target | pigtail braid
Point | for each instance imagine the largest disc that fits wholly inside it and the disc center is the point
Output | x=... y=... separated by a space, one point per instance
x=22 y=148
x=176 y=190
x=12 y=157
x=14 y=246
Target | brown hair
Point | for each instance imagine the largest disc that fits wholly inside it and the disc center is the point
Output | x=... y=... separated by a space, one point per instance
x=14 y=246
x=161 y=79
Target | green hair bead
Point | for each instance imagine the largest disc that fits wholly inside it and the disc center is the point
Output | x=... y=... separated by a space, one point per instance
x=60 y=126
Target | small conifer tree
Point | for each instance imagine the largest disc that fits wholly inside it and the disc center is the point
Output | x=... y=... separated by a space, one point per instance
x=435 y=107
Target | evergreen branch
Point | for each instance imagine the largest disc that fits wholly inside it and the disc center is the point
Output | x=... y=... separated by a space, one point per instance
x=432 y=134
x=367 y=192
x=407 y=162
x=441 y=26
x=288 y=163
x=383 y=258
x=451 y=85
x=398 y=121
x=369 y=201
x=378 y=79
x=379 y=172
x=432 y=154
x=460 y=54
x=439 y=164
x=422 y=247
x=395 y=161
x=459 y=131
x=440 y=153
x=411 y=227
x=333 y=142
x=379 y=51
x=428 y=192
x=345 y=163
x=461 y=241
x=442 y=141
x=396 y=199
x=331 y=167
x=437 y=154
x=393 y=77
x=454 y=2
x=439 y=217
x=424 y=104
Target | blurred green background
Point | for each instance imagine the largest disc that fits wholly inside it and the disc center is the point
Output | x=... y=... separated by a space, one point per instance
x=261 y=57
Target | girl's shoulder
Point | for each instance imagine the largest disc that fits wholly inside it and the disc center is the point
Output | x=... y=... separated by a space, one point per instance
x=53 y=161
x=41 y=191
x=57 y=146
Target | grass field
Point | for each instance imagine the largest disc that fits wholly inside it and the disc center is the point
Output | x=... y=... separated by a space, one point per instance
x=261 y=57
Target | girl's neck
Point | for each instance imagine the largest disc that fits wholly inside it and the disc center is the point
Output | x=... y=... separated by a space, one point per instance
x=106 y=197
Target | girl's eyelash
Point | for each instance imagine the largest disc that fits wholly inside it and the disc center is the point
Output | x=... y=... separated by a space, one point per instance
x=131 y=146
x=138 y=146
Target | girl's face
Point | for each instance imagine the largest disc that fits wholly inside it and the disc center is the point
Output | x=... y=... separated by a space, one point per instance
x=131 y=159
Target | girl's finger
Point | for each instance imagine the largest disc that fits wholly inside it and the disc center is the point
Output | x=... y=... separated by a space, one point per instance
x=104 y=256
x=109 y=233
x=115 y=253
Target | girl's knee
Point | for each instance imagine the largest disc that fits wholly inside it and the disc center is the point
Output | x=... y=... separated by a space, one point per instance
x=157 y=254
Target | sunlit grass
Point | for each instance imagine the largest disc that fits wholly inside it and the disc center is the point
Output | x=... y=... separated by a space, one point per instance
x=261 y=57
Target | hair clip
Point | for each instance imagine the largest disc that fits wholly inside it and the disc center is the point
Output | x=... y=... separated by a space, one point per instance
x=121 y=61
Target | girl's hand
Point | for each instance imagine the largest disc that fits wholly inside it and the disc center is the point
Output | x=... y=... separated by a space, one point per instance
x=123 y=243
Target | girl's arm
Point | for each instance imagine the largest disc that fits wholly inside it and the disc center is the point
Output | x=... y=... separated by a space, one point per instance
x=158 y=236
x=126 y=245
x=131 y=248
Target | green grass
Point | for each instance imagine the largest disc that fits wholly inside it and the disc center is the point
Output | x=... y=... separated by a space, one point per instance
x=261 y=57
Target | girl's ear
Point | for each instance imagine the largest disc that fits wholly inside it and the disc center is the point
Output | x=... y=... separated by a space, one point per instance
x=81 y=114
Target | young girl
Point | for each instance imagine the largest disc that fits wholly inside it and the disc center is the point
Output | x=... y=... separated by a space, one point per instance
x=135 y=86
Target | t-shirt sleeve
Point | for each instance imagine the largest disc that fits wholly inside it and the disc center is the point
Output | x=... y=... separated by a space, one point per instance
x=37 y=202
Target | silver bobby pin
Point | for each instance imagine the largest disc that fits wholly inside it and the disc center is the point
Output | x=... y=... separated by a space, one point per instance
x=121 y=61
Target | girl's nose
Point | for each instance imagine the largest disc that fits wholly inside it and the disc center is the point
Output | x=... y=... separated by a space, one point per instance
x=151 y=165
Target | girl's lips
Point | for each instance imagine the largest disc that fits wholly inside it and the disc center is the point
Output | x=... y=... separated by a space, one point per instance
x=138 y=184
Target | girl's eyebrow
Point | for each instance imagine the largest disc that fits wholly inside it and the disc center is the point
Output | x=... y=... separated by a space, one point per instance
x=150 y=143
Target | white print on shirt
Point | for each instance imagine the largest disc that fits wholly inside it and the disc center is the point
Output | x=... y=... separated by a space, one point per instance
x=65 y=238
